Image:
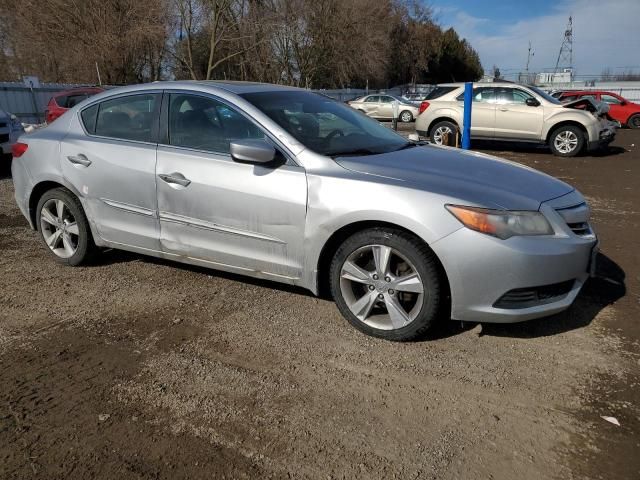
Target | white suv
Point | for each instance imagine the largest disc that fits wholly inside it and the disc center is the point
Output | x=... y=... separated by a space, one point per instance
x=516 y=113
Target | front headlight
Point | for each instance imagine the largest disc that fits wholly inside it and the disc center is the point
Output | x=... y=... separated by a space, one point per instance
x=501 y=223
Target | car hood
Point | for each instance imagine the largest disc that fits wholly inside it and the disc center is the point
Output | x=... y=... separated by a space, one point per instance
x=588 y=104
x=470 y=177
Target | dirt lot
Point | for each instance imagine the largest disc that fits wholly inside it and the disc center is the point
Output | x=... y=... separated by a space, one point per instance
x=138 y=368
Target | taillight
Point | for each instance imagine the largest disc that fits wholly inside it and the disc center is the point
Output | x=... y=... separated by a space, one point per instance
x=18 y=149
x=423 y=106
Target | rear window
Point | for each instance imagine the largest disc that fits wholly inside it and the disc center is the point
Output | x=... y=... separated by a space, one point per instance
x=439 y=92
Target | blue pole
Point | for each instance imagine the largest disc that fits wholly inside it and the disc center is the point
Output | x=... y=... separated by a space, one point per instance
x=466 y=124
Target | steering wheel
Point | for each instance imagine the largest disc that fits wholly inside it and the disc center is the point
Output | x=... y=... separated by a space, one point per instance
x=333 y=133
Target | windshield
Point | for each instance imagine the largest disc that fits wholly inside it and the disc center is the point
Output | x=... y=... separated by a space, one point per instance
x=544 y=95
x=324 y=125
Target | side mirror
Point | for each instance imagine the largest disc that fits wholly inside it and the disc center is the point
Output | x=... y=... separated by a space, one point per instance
x=252 y=151
x=413 y=137
x=532 y=102
x=623 y=103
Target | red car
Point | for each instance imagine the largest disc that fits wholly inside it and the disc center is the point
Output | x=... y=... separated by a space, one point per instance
x=621 y=109
x=63 y=101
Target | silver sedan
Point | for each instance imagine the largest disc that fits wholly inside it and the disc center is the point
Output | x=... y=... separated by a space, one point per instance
x=287 y=185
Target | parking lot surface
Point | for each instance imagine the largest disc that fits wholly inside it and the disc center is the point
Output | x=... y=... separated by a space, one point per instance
x=140 y=368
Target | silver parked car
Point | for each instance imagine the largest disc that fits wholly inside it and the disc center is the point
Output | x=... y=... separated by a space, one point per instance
x=380 y=107
x=291 y=186
x=516 y=113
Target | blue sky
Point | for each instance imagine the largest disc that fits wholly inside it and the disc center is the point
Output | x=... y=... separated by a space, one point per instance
x=606 y=32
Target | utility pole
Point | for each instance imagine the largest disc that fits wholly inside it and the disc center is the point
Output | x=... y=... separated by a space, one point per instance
x=529 y=55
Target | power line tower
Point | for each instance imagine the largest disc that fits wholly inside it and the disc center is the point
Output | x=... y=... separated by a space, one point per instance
x=565 y=56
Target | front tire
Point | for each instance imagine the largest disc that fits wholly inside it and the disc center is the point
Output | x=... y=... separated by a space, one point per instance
x=444 y=133
x=385 y=282
x=567 y=141
x=634 y=121
x=63 y=227
x=406 y=116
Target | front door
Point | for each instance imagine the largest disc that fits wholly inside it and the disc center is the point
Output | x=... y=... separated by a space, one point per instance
x=514 y=118
x=236 y=216
x=113 y=166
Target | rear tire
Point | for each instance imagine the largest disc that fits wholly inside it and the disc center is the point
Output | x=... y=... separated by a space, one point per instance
x=406 y=116
x=64 y=228
x=567 y=141
x=634 y=121
x=444 y=129
x=385 y=282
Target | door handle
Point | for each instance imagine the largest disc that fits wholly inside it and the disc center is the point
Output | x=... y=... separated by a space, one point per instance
x=176 y=178
x=504 y=109
x=79 y=159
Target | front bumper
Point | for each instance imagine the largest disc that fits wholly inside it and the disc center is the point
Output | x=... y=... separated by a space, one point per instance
x=606 y=135
x=481 y=269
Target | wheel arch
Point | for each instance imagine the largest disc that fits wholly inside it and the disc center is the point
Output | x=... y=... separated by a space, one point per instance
x=565 y=123
x=441 y=118
x=332 y=244
x=40 y=189
x=633 y=114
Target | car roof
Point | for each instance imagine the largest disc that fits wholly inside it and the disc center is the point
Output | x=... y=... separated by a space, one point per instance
x=76 y=90
x=580 y=92
x=233 y=87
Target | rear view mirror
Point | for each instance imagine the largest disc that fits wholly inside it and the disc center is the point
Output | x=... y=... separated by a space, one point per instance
x=252 y=151
x=532 y=102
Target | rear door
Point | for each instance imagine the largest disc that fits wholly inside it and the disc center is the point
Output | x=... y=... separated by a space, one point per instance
x=112 y=163
x=483 y=111
x=236 y=216
x=514 y=118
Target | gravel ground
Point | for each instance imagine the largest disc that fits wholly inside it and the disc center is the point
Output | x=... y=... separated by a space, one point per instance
x=139 y=368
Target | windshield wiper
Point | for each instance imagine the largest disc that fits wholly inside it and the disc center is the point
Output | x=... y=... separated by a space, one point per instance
x=358 y=151
x=406 y=145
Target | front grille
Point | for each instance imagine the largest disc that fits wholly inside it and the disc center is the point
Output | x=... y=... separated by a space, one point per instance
x=577 y=218
x=4 y=137
x=4 y=124
x=534 y=296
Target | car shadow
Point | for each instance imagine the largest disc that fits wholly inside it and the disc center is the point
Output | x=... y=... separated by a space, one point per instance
x=488 y=146
x=607 y=287
x=5 y=166
x=114 y=256
x=604 y=289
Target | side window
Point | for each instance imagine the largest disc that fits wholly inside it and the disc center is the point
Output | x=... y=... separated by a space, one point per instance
x=610 y=99
x=480 y=95
x=89 y=116
x=386 y=99
x=592 y=97
x=568 y=98
x=205 y=124
x=520 y=96
x=128 y=118
x=373 y=99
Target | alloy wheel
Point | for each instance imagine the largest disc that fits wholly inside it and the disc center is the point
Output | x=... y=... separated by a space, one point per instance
x=566 y=141
x=59 y=228
x=440 y=133
x=381 y=287
x=405 y=117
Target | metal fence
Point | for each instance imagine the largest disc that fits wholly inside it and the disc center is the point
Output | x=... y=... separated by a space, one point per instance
x=28 y=104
